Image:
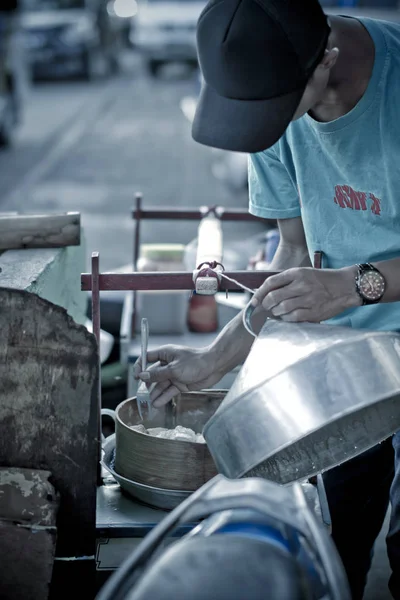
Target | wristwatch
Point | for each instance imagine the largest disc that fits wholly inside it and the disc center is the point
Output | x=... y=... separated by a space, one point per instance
x=370 y=284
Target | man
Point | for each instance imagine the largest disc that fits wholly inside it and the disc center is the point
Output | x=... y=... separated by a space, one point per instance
x=315 y=102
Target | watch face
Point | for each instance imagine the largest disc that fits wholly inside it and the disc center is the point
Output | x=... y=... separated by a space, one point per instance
x=372 y=285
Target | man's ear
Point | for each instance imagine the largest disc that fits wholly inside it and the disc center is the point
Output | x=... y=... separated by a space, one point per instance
x=329 y=59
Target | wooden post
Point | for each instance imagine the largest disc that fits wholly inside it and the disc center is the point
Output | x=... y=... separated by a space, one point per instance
x=96 y=330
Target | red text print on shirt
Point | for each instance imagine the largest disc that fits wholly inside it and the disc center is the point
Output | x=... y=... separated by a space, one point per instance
x=346 y=197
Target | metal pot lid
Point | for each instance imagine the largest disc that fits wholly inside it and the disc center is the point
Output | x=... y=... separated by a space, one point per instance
x=308 y=398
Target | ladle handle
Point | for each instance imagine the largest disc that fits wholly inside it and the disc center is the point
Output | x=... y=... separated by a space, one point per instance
x=144 y=342
x=247 y=314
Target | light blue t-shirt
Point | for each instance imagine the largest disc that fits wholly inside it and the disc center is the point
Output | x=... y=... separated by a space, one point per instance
x=343 y=178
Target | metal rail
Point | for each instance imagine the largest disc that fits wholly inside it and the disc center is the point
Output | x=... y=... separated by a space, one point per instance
x=161 y=280
x=173 y=213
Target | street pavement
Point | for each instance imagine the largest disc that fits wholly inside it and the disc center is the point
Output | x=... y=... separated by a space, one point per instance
x=97 y=145
x=90 y=147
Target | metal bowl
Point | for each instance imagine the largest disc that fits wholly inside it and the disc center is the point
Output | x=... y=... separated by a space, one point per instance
x=160 y=498
x=308 y=398
x=163 y=463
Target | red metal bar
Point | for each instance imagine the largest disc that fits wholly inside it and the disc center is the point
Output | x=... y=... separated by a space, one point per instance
x=137 y=216
x=191 y=214
x=95 y=287
x=169 y=281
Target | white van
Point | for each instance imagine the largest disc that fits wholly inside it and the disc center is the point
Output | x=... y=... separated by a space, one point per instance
x=164 y=31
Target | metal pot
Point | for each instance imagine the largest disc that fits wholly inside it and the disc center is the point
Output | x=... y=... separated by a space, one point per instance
x=153 y=496
x=163 y=463
x=308 y=398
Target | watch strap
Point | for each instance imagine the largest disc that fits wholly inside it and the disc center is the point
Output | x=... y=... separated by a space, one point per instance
x=365 y=268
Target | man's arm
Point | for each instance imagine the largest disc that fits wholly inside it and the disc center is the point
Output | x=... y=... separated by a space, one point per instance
x=184 y=369
x=390 y=269
x=233 y=344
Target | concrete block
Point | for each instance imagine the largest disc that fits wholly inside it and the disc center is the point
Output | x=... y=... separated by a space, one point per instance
x=49 y=376
x=28 y=512
x=52 y=273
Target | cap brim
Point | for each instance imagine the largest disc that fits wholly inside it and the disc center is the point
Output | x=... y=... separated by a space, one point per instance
x=242 y=125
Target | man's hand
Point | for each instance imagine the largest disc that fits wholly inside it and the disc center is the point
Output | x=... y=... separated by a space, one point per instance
x=181 y=370
x=306 y=294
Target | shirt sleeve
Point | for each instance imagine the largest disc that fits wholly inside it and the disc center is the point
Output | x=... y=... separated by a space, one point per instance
x=272 y=192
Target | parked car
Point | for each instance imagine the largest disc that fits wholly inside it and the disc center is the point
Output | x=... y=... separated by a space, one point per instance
x=72 y=37
x=13 y=73
x=164 y=31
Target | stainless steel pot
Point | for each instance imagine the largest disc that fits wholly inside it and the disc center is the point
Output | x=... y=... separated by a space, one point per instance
x=308 y=398
x=162 y=463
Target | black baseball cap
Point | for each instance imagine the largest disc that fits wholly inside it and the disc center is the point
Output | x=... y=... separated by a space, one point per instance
x=256 y=57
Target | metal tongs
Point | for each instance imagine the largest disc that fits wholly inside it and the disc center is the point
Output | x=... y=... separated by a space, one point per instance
x=143 y=394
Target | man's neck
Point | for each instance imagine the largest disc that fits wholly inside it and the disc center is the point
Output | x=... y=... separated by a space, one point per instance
x=351 y=75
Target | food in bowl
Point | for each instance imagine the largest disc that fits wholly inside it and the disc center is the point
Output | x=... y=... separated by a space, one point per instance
x=180 y=433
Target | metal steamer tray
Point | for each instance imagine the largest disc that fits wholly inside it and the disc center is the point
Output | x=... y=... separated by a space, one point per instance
x=161 y=472
x=164 y=463
x=153 y=496
x=308 y=398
